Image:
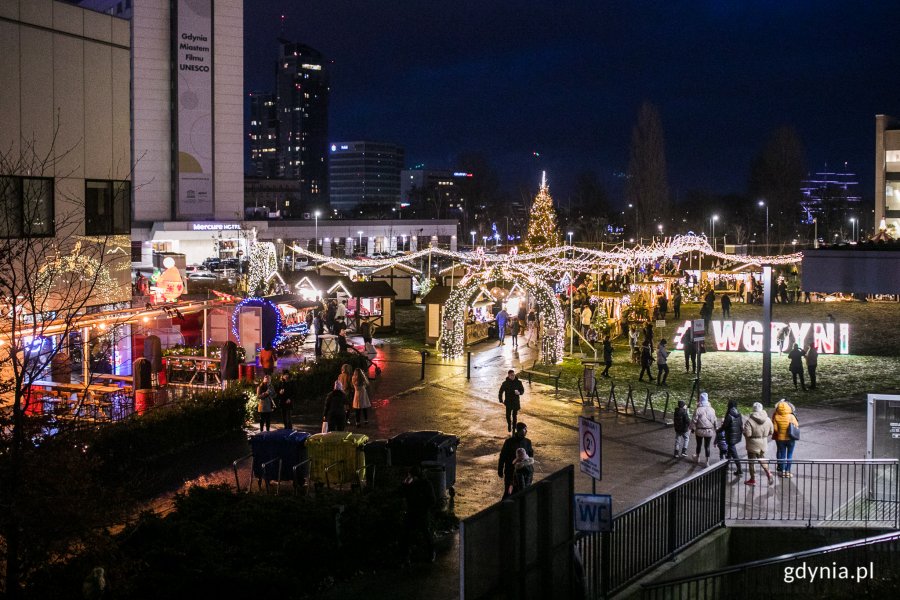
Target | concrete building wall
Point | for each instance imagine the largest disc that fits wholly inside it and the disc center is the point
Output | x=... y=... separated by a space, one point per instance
x=228 y=95
x=65 y=75
x=887 y=173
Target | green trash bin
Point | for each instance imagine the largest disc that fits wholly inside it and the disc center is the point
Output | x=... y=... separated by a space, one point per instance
x=335 y=457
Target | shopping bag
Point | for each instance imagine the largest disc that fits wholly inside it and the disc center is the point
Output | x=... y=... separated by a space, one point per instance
x=324 y=426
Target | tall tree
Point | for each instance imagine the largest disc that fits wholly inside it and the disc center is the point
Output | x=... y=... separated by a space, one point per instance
x=775 y=177
x=543 y=228
x=648 y=187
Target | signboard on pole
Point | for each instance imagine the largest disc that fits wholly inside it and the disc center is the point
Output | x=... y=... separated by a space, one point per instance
x=593 y=512
x=589 y=447
x=699 y=330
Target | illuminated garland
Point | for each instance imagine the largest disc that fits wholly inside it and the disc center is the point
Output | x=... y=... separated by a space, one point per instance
x=454 y=323
x=254 y=301
x=79 y=271
x=263 y=264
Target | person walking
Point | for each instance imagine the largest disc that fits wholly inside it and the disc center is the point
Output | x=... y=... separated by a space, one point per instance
x=501 y=319
x=812 y=361
x=335 y=408
x=662 y=365
x=607 y=355
x=524 y=470
x=726 y=306
x=646 y=362
x=690 y=351
x=676 y=303
x=530 y=328
x=663 y=304
x=681 y=422
x=633 y=337
x=361 y=401
x=318 y=330
x=757 y=430
x=796 y=356
x=733 y=428
x=741 y=288
x=285 y=400
x=648 y=333
x=267 y=360
x=345 y=378
x=510 y=391
x=340 y=330
x=265 y=395
x=782 y=420
x=704 y=426
x=586 y=316
x=514 y=328
x=505 y=467
x=420 y=499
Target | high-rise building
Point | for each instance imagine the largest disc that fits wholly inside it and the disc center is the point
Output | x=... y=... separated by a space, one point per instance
x=264 y=135
x=434 y=194
x=831 y=198
x=887 y=173
x=364 y=174
x=302 y=109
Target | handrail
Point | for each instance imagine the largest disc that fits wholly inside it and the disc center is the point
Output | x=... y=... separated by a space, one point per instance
x=328 y=468
x=296 y=469
x=234 y=466
x=867 y=541
x=265 y=466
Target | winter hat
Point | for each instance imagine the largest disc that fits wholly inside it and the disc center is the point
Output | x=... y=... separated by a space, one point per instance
x=521 y=454
x=681 y=404
x=757 y=406
x=704 y=398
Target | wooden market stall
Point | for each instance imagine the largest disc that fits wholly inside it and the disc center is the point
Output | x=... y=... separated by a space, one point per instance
x=369 y=301
x=400 y=278
x=434 y=302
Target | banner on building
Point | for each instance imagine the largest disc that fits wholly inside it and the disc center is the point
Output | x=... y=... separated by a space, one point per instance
x=194 y=101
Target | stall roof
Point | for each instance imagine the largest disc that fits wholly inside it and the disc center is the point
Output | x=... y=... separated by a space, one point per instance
x=292 y=299
x=438 y=295
x=365 y=289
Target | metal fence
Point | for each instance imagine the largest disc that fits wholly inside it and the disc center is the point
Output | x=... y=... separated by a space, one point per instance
x=865 y=566
x=859 y=493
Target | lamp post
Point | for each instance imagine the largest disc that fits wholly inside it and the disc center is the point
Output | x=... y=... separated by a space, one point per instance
x=852 y=229
x=763 y=203
x=359 y=233
x=713 y=222
x=815 y=233
x=472 y=233
x=570 y=234
x=316 y=244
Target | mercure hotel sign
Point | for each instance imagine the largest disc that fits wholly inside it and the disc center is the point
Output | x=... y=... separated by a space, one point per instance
x=747 y=336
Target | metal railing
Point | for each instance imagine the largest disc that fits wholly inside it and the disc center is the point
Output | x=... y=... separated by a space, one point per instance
x=859 y=493
x=867 y=562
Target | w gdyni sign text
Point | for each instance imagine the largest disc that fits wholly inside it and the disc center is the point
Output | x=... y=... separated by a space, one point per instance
x=747 y=336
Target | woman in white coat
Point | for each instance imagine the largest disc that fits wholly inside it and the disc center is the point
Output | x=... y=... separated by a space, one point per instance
x=361 y=402
x=704 y=426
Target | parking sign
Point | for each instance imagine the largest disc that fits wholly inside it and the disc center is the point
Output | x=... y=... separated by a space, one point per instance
x=590 y=447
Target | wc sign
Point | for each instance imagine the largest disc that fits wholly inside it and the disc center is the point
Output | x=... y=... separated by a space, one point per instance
x=747 y=336
x=593 y=512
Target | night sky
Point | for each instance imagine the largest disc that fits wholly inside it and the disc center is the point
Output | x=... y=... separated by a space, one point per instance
x=565 y=79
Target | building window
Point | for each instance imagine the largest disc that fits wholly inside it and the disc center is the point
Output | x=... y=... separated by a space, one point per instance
x=107 y=207
x=26 y=207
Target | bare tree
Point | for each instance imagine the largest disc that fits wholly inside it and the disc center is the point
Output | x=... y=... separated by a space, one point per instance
x=647 y=188
x=51 y=275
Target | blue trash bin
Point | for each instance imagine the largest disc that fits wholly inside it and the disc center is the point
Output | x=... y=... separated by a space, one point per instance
x=286 y=444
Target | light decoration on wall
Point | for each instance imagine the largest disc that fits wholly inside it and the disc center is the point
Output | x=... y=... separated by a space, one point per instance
x=256 y=301
x=76 y=271
x=263 y=266
x=550 y=312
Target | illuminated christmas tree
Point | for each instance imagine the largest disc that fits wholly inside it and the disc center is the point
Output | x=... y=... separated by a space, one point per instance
x=543 y=231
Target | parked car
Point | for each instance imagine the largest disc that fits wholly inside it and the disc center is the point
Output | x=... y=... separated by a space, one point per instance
x=201 y=276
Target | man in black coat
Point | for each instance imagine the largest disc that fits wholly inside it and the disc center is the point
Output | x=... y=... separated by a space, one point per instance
x=335 y=410
x=510 y=391
x=505 y=467
x=733 y=426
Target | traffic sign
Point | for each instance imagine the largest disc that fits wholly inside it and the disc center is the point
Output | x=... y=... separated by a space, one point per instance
x=593 y=512
x=590 y=447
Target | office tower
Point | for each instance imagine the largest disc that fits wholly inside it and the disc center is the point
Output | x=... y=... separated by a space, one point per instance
x=364 y=175
x=264 y=135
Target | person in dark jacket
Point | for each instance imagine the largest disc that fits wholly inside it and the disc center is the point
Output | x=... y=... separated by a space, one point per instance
x=514 y=328
x=648 y=333
x=510 y=391
x=505 y=465
x=420 y=500
x=607 y=356
x=726 y=307
x=284 y=400
x=681 y=421
x=646 y=362
x=733 y=428
x=663 y=304
x=796 y=355
x=318 y=330
x=690 y=351
x=812 y=361
x=676 y=303
x=335 y=408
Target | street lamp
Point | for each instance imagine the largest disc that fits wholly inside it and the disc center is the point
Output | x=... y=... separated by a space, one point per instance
x=852 y=229
x=316 y=245
x=359 y=233
x=713 y=221
x=763 y=203
x=472 y=233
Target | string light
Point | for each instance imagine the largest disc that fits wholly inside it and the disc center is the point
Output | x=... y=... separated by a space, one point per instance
x=261 y=302
x=263 y=266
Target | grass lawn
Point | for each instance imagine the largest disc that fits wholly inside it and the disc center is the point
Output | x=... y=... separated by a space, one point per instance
x=872 y=366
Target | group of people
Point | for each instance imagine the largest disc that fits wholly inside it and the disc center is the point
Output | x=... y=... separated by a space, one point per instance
x=272 y=394
x=331 y=318
x=755 y=430
x=350 y=397
x=516 y=463
x=514 y=325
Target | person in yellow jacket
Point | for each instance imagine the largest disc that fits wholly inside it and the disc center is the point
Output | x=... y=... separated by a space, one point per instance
x=782 y=419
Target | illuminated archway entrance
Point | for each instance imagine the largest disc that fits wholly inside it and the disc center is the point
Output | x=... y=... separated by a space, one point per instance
x=550 y=314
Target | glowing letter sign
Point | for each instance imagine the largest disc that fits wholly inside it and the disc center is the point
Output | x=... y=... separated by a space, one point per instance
x=746 y=336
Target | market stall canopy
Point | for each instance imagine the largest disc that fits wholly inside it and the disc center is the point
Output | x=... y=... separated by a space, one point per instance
x=294 y=300
x=364 y=289
x=437 y=295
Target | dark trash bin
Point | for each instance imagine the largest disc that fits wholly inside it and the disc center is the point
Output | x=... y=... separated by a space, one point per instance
x=435 y=473
x=378 y=452
x=286 y=444
x=415 y=447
